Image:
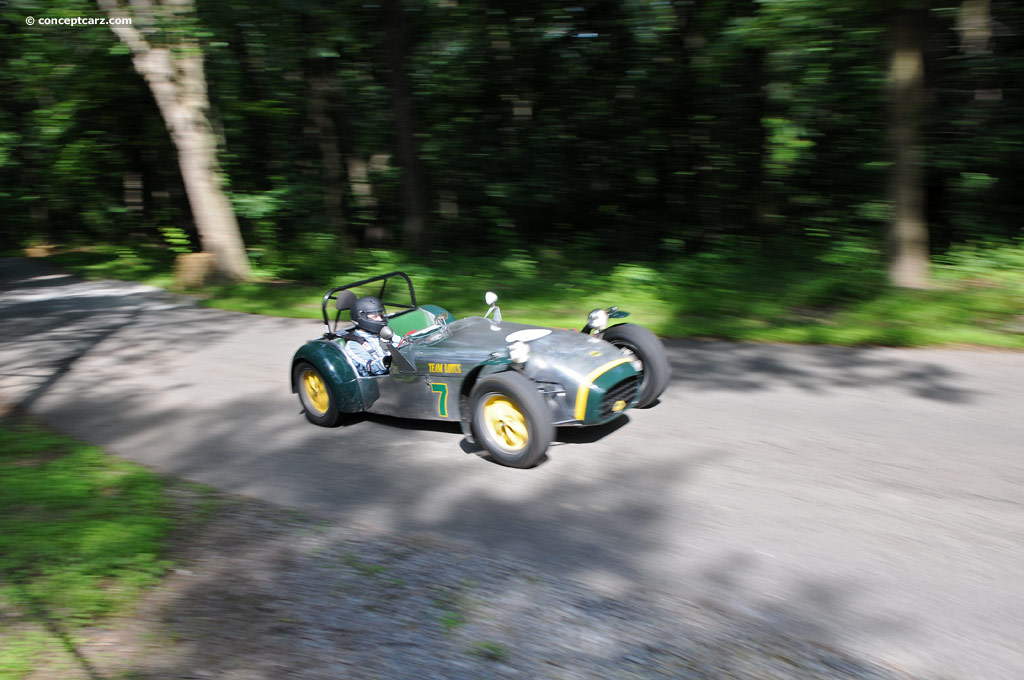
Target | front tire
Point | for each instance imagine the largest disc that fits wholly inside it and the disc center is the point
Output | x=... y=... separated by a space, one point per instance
x=317 y=401
x=645 y=351
x=510 y=419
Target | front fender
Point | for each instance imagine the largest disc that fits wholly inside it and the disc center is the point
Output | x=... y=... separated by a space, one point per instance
x=492 y=365
x=589 y=407
x=327 y=358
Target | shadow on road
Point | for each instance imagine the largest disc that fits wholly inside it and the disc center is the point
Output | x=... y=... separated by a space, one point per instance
x=50 y=321
x=262 y=594
x=598 y=526
x=712 y=365
x=248 y=609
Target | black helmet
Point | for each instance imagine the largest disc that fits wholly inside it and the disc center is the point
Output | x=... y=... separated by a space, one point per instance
x=363 y=308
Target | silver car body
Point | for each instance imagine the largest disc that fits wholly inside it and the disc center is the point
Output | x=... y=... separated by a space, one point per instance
x=567 y=366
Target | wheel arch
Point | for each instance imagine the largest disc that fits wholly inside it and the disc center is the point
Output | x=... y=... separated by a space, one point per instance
x=341 y=379
x=657 y=367
x=489 y=367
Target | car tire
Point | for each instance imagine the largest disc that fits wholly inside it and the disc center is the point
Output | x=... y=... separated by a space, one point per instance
x=511 y=421
x=318 y=402
x=641 y=345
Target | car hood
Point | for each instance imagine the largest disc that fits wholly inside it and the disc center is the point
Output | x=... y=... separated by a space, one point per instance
x=561 y=356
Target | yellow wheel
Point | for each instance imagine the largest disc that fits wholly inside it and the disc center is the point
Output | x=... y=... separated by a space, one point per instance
x=505 y=423
x=510 y=419
x=315 y=395
x=316 y=391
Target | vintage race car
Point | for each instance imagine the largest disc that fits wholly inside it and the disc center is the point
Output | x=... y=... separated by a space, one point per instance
x=508 y=384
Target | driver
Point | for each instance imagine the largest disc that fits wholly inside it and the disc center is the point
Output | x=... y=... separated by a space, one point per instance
x=363 y=343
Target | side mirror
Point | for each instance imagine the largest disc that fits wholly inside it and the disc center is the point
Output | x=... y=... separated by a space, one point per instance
x=490 y=298
x=398 y=360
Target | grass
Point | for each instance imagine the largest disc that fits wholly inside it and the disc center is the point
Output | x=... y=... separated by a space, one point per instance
x=831 y=296
x=451 y=604
x=21 y=650
x=492 y=651
x=363 y=568
x=82 y=536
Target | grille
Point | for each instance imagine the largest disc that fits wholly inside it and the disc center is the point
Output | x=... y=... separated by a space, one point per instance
x=624 y=390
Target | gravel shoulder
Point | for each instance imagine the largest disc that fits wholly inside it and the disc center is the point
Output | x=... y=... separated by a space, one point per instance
x=262 y=592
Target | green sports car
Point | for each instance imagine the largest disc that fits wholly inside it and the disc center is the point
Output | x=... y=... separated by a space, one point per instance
x=508 y=384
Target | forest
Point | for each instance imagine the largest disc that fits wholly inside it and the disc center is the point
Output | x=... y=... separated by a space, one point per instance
x=795 y=170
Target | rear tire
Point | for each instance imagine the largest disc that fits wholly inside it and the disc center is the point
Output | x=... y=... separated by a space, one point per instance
x=315 y=395
x=648 y=355
x=510 y=419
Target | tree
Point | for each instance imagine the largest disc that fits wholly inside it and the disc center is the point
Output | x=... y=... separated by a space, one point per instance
x=684 y=127
x=414 y=201
x=166 y=52
x=325 y=131
x=908 y=230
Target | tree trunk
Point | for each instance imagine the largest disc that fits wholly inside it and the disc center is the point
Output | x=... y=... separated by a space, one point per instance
x=908 y=231
x=359 y=182
x=753 y=184
x=327 y=140
x=175 y=76
x=414 y=204
x=974 y=22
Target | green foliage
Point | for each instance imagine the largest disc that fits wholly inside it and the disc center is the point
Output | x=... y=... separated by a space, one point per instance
x=177 y=240
x=684 y=122
x=22 y=651
x=716 y=164
x=985 y=263
x=452 y=603
x=82 y=532
x=492 y=651
x=836 y=293
x=363 y=568
x=450 y=620
x=151 y=264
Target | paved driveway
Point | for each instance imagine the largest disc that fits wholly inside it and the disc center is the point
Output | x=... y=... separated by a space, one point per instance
x=871 y=499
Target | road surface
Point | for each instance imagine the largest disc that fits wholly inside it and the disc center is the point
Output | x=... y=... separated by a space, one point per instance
x=871 y=499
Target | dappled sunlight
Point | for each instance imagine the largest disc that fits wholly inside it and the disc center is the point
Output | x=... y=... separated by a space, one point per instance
x=765 y=482
x=258 y=589
x=790 y=193
x=711 y=365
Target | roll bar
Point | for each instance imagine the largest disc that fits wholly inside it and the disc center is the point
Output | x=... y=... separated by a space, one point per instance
x=332 y=294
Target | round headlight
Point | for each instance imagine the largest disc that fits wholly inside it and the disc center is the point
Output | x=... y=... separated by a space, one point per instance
x=519 y=352
x=598 y=319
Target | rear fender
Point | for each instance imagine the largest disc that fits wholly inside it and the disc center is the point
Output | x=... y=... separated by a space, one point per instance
x=327 y=357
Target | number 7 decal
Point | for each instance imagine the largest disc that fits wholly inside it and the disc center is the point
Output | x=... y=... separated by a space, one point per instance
x=442 y=398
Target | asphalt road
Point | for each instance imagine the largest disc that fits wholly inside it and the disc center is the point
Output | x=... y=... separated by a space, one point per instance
x=870 y=499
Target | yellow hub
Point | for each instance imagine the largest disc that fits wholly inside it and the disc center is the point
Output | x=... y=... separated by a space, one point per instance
x=316 y=391
x=505 y=423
